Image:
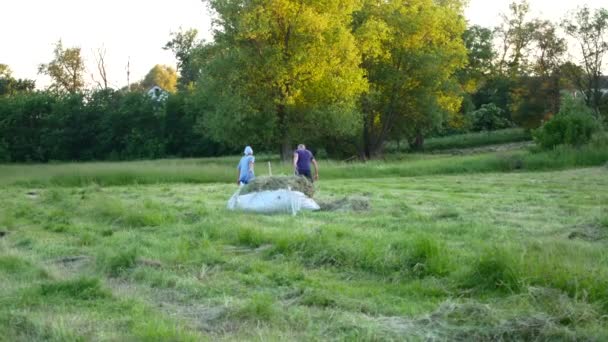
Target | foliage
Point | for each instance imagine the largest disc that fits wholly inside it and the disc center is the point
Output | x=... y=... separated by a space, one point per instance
x=103 y=124
x=515 y=33
x=488 y=118
x=480 y=51
x=282 y=71
x=574 y=125
x=590 y=30
x=187 y=50
x=66 y=70
x=410 y=54
x=160 y=75
x=10 y=85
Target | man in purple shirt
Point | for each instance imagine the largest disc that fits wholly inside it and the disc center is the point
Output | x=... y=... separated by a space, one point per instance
x=302 y=158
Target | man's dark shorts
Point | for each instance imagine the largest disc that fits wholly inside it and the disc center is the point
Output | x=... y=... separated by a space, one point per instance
x=306 y=173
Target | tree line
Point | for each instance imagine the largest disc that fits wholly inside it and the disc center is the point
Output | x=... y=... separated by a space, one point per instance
x=344 y=76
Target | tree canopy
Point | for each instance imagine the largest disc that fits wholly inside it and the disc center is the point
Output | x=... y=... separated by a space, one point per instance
x=282 y=70
x=66 y=70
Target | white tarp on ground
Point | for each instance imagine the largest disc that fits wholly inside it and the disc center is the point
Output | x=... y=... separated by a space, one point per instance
x=275 y=201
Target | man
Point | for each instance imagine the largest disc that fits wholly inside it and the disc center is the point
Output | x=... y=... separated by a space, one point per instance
x=245 y=168
x=302 y=158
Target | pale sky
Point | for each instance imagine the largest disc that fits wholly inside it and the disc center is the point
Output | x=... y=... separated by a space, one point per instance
x=137 y=30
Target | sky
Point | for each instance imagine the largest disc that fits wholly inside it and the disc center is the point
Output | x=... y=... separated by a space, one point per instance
x=136 y=31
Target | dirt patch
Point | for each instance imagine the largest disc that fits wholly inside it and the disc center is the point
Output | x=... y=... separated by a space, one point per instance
x=300 y=184
x=351 y=203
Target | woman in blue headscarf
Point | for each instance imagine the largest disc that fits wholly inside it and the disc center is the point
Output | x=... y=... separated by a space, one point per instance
x=245 y=168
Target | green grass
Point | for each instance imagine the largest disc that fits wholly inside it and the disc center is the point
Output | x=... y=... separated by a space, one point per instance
x=463 y=253
x=478 y=139
x=222 y=170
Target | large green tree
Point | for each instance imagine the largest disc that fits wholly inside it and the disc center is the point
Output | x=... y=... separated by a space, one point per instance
x=160 y=75
x=66 y=70
x=411 y=53
x=282 y=71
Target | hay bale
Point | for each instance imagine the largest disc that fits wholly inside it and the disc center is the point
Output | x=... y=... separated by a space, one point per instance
x=294 y=183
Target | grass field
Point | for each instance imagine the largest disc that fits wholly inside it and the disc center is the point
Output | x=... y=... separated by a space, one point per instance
x=469 y=252
x=213 y=170
x=467 y=140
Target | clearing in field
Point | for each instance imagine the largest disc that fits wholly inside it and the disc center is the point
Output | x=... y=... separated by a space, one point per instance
x=462 y=256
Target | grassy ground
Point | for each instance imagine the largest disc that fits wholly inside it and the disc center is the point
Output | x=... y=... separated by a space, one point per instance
x=213 y=170
x=504 y=136
x=494 y=256
x=467 y=140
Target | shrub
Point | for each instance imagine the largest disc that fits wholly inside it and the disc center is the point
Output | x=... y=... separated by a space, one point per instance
x=5 y=155
x=574 y=125
x=488 y=117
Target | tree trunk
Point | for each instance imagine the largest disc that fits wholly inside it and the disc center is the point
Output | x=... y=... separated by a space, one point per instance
x=418 y=142
x=286 y=149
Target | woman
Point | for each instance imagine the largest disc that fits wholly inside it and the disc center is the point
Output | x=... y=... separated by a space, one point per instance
x=245 y=168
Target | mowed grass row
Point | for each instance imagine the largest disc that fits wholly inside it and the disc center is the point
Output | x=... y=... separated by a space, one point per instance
x=476 y=139
x=517 y=256
x=222 y=170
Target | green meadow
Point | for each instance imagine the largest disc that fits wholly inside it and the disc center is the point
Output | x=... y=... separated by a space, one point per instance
x=495 y=245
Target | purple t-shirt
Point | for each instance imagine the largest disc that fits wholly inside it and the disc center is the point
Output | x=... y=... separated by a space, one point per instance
x=305 y=157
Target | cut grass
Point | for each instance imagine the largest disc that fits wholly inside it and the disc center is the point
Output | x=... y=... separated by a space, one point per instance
x=504 y=136
x=220 y=170
x=446 y=257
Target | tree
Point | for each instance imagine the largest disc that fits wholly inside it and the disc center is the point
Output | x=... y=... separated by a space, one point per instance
x=411 y=54
x=188 y=52
x=10 y=85
x=100 y=61
x=515 y=34
x=480 y=51
x=590 y=29
x=5 y=71
x=282 y=70
x=161 y=75
x=66 y=70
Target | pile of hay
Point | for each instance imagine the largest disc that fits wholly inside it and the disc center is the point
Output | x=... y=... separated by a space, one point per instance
x=352 y=203
x=294 y=183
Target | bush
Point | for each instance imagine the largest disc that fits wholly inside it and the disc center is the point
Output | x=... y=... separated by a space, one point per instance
x=574 y=125
x=488 y=117
x=4 y=153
